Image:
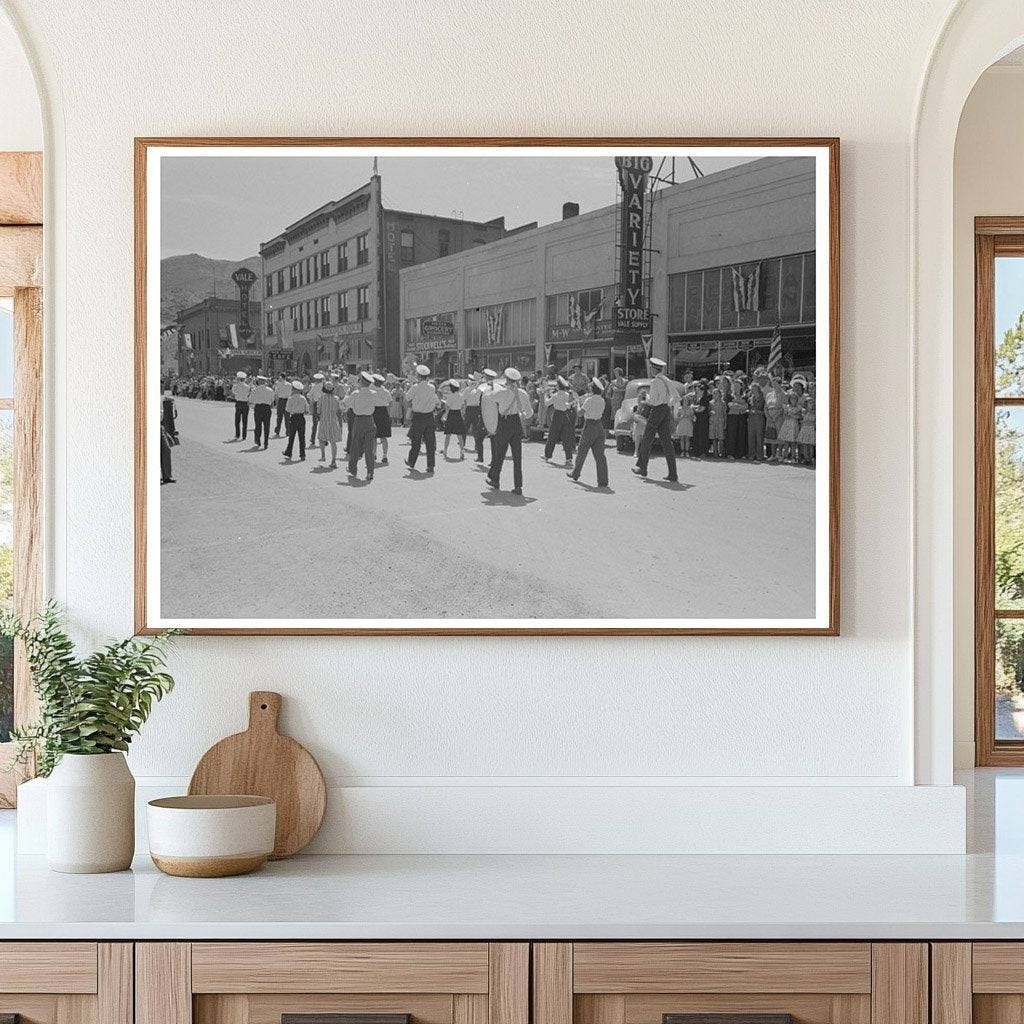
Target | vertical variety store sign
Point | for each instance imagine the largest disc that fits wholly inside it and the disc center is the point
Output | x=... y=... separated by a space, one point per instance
x=631 y=313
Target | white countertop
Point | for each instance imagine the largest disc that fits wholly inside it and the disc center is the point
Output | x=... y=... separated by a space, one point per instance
x=978 y=896
x=532 y=897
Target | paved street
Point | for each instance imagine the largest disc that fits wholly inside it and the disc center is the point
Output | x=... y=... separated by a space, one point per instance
x=246 y=534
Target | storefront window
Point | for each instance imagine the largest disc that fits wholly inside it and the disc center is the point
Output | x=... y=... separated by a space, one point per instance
x=694 y=284
x=703 y=300
x=712 y=296
x=807 y=308
x=510 y=323
x=790 y=289
x=676 y=302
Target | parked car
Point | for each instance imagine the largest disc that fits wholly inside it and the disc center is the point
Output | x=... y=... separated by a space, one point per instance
x=627 y=434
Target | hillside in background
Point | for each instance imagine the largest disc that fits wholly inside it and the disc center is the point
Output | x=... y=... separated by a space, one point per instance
x=186 y=280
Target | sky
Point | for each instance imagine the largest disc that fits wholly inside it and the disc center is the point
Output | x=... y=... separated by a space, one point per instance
x=225 y=206
x=1009 y=293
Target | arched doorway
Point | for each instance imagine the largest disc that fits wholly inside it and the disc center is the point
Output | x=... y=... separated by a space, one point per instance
x=976 y=34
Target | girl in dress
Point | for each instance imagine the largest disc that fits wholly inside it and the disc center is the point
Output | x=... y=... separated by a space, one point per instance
x=717 y=413
x=331 y=422
x=397 y=404
x=790 y=428
x=805 y=439
x=454 y=421
x=684 y=426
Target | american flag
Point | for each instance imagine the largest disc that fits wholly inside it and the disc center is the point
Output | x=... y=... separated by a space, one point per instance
x=775 y=350
x=494 y=326
x=746 y=288
x=575 y=313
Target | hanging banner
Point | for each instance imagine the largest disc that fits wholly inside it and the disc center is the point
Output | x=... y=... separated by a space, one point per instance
x=244 y=278
x=631 y=313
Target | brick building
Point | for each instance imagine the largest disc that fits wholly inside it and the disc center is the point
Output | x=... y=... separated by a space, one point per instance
x=330 y=280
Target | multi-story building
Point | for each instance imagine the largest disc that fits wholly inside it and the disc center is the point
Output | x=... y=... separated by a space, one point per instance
x=211 y=338
x=330 y=280
x=549 y=295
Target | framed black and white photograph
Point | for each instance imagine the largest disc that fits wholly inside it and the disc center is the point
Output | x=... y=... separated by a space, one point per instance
x=487 y=386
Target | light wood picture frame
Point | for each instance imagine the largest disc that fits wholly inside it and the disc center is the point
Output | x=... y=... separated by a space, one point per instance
x=154 y=213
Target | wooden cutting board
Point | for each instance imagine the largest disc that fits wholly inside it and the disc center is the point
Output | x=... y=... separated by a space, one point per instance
x=262 y=762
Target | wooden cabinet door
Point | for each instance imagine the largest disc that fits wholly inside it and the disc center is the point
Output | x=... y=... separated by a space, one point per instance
x=308 y=982
x=66 y=982
x=977 y=983
x=735 y=982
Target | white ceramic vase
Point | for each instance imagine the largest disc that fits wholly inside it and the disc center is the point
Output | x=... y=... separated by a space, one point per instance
x=90 y=814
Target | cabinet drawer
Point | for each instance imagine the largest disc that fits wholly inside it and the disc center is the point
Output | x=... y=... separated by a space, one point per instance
x=731 y=982
x=340 y=967
x=48 y=967
x=263 y=982
x=634 y=967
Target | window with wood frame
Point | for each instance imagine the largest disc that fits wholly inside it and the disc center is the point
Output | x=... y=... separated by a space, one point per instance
x=999 y=491
x=21 y=351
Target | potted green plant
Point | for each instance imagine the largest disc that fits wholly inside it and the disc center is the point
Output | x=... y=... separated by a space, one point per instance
x=89 y=710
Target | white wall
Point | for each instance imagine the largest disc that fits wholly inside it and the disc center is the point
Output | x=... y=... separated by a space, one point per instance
x=394 y=713
x=988 y=181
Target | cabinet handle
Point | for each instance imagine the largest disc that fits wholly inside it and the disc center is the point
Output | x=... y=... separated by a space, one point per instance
x=728 y=1018
x=336 y=1018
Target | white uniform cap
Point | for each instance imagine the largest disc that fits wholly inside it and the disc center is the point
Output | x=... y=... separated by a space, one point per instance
x=490 y=373
x=423 y=371
x=513 y=374
x=597 y=383
x=379 y=378
x=240 y=375
x=298 y=385
x=658 y=362
x=318 y=376
x=367 y=376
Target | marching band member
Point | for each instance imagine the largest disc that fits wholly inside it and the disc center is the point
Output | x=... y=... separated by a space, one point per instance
x=382 y=417
x=489 y=390
x=563 y=421
x=282 y=392
x=296 y=408
x=472 y=410
x=423 y=402
x=662 y=399
x=240 y=391
x=454 y=424
x=362 y=435
x=593 y=437
x=513 y=407
x=315 y=391
x=262 y=403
